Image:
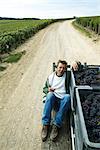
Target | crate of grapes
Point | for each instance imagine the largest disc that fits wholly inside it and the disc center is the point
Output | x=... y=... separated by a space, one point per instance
x=88 y=76
x=86 y=118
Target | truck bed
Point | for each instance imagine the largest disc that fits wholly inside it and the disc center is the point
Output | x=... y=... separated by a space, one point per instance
x=63 y=141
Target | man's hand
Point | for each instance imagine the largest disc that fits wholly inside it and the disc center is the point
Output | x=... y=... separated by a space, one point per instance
x=51 y=89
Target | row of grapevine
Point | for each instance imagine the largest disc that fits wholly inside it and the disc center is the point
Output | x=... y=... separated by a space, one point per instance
x=92 y=23
x=10 y=40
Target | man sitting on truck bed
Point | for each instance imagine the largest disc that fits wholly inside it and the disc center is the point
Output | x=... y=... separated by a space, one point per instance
x=57 y=91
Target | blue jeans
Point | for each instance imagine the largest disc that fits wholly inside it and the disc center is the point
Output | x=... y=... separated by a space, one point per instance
x=64 y=105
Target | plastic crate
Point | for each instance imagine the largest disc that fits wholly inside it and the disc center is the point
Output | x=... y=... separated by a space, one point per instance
x=82 y=141
x=73 y=84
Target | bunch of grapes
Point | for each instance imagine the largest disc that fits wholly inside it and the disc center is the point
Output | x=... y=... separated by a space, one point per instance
x=87 y=77
x=91 y=111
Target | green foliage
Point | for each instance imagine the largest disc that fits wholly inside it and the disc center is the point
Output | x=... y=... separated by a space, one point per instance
x=81 y=29
x=16 y=32
x=13 y=25
x=2 y=68
x=13 y=57
x=92 y=23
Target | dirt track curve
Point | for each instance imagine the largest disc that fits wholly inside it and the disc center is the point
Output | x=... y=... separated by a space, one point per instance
x=21 y=85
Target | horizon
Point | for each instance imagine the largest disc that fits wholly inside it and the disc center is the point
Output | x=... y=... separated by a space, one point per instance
x=46 y=18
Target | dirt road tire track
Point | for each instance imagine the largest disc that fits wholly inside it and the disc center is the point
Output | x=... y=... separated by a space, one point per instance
x=21 y=86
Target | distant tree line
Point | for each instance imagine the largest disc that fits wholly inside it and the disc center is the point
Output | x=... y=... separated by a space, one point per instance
x=8 y=18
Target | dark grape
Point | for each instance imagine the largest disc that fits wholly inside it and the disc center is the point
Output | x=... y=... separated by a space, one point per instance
x=91 y=111
x=87 y=77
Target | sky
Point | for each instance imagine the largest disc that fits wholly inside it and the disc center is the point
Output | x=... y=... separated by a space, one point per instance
x=48 y=9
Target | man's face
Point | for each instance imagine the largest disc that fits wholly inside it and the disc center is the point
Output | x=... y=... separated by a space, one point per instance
x=61 y=68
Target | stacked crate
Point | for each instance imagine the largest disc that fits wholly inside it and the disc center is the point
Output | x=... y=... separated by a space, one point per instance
x=81 y=86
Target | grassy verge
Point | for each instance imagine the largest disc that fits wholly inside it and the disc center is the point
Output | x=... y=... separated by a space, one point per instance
x=81 y=29
x=12 y=58
x=2 y=68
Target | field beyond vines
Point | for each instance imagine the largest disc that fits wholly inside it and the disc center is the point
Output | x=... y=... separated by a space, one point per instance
x=15 y=32
x=13 y=25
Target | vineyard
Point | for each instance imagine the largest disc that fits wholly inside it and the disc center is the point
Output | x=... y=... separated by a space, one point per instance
x=15 y=32
x=91 y=23
x=13 y=25
x=20 y=89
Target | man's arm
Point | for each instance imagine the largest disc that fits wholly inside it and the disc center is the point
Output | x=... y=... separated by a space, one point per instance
x=46 y=86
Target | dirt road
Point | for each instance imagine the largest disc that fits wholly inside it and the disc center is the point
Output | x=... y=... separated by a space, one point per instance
x=21 y=86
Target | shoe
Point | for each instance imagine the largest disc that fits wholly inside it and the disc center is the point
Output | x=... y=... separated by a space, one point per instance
x=44 y=133
x=54 y=133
